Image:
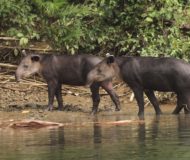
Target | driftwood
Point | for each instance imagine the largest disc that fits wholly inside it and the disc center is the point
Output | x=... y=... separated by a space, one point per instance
x=121 y=122
x=30 y=124
x=34 y=124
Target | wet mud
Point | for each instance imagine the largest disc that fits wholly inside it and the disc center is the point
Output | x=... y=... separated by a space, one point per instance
x=25 y=101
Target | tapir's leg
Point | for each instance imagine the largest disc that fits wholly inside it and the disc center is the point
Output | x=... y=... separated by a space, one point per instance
x=108 y=87
x=95 y=97
x=187 y=108
x=180 y=103
x=59 y=97
x=187 y=105
x=140 y=100
x=177 y=109
x=52 y=85
x=151 y=96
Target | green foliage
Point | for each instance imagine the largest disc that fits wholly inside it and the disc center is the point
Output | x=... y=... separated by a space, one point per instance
x=149 y=27
x=17 y=20
x=162 y=33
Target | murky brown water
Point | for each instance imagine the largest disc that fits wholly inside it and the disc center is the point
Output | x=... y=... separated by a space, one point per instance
x=164 y=137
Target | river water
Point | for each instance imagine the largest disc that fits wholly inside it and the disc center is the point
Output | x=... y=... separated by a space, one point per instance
x=159 y=138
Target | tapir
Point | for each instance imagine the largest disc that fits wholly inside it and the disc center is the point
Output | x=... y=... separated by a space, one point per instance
x=65 y=69
x=146 y=75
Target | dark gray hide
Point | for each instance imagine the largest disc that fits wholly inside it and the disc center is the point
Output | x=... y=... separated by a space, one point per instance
x=65 y=69
x=148 y=74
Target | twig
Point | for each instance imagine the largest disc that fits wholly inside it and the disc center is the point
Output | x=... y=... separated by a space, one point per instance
x=8 y=65
x=4 y=81
x=9 y=38
x=118 y=85
x=32 y=49
x=132 y=97
x=146 y=105
x=15 y=89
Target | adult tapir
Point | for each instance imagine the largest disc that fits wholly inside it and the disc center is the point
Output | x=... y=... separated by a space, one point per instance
x=148 y=74
x=65 y=69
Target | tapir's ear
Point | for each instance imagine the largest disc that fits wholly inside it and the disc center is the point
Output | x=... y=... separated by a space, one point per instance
x=35 y=58
x=24 y=52
x=110 y=59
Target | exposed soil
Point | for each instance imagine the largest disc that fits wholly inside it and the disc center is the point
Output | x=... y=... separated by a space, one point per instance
x=26 y=101
x=19 y=96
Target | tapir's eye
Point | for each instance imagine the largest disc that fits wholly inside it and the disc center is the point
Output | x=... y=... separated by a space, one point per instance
x=99 y=70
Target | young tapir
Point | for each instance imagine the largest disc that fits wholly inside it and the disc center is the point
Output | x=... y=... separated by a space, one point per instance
x=148 y=74
x=65 y=69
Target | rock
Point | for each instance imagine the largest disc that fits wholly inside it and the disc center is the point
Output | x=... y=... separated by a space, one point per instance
x=25 y=111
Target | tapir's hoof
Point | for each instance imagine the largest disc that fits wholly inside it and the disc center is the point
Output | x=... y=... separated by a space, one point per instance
x=186 y=109
x=141 y=115
x=60 y=109
x=117 y=109
x=50 y=108
x=94 y=112
x=187 y=112
x=175 y=112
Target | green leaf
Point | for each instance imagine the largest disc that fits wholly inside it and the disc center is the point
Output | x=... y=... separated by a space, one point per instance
x=19 y=35
x=149 y=19
x=16 y=52
x=23 y=41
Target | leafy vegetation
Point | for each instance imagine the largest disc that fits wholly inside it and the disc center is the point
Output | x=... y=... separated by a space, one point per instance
x=134 y=27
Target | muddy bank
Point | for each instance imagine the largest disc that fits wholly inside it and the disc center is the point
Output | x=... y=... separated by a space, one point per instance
x=28 y=101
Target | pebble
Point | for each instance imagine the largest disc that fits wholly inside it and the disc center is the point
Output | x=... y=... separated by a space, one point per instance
x=25 y=111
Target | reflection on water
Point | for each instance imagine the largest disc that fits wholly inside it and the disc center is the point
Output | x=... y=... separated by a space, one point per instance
x=164 y=137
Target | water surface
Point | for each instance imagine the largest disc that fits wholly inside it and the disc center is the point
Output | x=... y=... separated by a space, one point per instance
x=159 y=138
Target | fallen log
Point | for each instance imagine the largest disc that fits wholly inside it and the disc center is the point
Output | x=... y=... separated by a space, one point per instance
x=34 y=124
x=121 y=122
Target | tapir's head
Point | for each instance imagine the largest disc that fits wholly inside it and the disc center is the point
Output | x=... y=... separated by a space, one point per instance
x=106 y=69
x=29 y=65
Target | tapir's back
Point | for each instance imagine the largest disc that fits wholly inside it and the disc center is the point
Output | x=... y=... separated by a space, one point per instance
x=71 y=70
x=162 y=74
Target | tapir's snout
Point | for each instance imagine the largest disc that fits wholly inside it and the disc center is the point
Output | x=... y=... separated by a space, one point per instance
x=17 y=77
x=19 y=74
